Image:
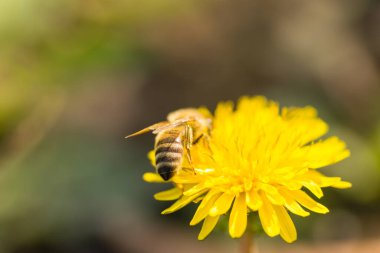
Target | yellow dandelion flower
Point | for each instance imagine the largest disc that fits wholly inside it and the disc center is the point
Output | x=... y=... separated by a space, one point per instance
x=258 y=158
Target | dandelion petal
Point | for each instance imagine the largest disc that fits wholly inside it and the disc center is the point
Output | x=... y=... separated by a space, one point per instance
x=326 y=152
x=195 y=189
x=208 y=225
x=295 y=208
x=293 y=205
x=181 y=203
x=305 y=121
x=222 y=204
x=269 y=219
x=335 y=182
x=151 y=177
x=152 y=158
x=287 y=230
x=170 y=194
x=314 y=188
x=342 y=185
x=238 y=217
x=254 y=201
x=205 y=206
x=305 y=200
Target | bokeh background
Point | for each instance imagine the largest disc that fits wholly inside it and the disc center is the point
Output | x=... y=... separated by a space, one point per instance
x=76 y=76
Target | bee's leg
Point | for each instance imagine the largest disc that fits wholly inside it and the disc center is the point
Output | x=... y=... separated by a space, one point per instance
x=198 y=139
x=188 y=136
x=189 y=157
x=188 y=143
x=206 y=137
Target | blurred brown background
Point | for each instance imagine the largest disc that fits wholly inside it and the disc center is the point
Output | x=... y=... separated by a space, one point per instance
x=76 y=76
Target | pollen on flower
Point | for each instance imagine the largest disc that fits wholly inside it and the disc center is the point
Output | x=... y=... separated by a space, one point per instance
x=258 y=158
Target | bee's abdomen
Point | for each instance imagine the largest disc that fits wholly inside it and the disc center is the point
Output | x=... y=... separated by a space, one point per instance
x=168 y=154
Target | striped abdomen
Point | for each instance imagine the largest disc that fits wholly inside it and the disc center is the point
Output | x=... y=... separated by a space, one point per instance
x=168 y=153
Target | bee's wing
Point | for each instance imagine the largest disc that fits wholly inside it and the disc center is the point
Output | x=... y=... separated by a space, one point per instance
x=161 y=126
x=170 y=125
x=153 y=128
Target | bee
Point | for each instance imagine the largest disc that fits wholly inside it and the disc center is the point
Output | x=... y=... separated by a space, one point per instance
x=175 y=137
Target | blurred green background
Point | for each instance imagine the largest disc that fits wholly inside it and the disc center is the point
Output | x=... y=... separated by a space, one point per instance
x=76 y=76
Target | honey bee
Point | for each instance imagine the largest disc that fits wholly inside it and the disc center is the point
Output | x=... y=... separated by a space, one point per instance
x=183 y=128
